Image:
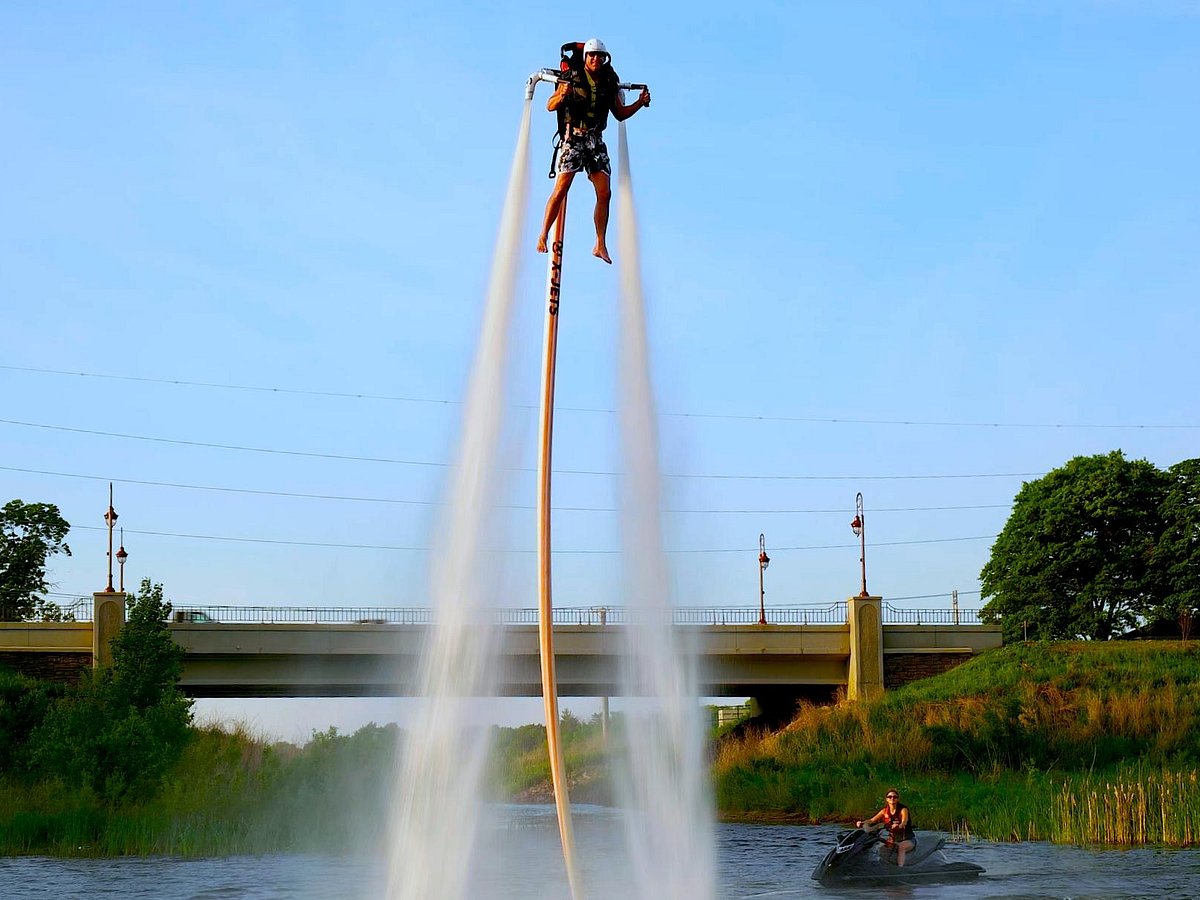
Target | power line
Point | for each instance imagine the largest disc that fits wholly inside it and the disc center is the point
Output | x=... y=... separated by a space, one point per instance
x=229 y=490
x=443 y=465
x=354 y=499
x=338 y=546
x=931 y=596
x=953 y=540
x=213 y=446
x=235 y=387
x=753 y=417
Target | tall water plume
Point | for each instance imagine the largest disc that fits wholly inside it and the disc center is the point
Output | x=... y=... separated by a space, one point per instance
x=437 y=805
x=670 y=823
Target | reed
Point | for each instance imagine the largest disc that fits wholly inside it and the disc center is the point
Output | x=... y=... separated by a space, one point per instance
x=1128 y=808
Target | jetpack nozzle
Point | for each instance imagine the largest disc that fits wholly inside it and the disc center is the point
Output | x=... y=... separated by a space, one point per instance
x=550 y=75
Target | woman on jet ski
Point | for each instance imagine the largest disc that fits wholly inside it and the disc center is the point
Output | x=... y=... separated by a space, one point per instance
x=896 y=819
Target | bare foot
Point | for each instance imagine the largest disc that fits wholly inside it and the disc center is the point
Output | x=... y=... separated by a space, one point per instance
x=541 y=248
x=601 y=252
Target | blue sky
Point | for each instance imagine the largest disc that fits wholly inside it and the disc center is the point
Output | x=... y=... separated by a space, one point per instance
x=856 y=220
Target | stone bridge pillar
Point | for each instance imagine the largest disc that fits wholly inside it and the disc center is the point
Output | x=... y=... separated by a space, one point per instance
x=108 y=618
x=865 y=618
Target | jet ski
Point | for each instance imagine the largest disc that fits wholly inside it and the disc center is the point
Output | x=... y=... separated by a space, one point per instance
x=860 y=857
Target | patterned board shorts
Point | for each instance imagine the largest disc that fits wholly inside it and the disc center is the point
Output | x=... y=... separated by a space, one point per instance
x=583 y=152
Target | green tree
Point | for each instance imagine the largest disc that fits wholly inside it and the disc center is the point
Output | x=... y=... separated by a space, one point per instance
x=1177 y=560
x=1073 y=559
x=24 y=703
x=123 y=727
x=30 y=533
x=569 y=723
x=147 y=663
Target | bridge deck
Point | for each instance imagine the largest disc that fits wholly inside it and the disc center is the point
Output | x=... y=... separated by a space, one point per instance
x=229 y=660
x=307 y=659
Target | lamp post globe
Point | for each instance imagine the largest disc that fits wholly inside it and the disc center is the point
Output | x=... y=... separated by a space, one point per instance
x=121 y=557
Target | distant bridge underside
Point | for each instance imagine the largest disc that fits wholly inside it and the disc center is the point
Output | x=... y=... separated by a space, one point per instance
x=382 y=660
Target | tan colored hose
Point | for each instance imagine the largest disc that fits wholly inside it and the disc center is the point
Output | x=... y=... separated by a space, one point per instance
x=558 y=773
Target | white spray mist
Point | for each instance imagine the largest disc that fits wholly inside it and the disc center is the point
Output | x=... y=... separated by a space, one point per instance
x=437 y=804
x=670 y=821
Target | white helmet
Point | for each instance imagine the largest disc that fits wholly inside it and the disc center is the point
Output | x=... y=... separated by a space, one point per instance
x=595 y=45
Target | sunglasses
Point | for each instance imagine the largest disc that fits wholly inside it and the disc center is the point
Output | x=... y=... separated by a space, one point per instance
x=893 y=796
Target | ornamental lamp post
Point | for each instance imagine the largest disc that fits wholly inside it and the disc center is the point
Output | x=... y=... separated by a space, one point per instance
x=859 y=527
x=110 y=519
x=121 y=557
x=763 y=562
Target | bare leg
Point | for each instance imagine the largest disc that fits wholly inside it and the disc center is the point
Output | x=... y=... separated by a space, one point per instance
x=902 y=848
x=600 y=181
x=554 y=206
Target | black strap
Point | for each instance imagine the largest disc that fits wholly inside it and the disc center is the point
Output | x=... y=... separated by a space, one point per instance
x=554 y=155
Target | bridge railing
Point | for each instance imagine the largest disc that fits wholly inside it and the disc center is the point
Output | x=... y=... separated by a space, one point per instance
x=78 y=610
x=832 y=614
x=827 y=614
x=896 y=616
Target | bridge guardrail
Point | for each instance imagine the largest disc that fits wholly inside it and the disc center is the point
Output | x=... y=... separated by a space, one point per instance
x=895 y=616
x=828 y=614
x=831 y=614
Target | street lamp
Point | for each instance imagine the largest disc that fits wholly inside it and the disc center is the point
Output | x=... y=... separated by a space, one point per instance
x=110 y=519
x=763 y=562
x=121 y=557
x=859 y=527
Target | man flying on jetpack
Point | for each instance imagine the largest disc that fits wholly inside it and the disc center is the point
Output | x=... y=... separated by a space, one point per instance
x=588 y=95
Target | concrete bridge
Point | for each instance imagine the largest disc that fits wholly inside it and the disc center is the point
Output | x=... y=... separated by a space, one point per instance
x=307 y=652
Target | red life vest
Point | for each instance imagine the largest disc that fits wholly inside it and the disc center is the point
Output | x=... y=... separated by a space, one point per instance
x=898 y=832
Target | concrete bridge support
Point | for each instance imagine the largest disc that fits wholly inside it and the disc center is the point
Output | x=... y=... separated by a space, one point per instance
x=108 y=618
x=865 y=676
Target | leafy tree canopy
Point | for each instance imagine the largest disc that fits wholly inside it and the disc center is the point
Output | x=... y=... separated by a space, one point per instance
x=147 y=663
x=123 y=728
x=30 y=533
x=1074 y=558
x=1177 y=562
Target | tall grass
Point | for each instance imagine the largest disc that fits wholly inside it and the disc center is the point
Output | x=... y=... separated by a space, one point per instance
x=519 y=766
x=991 y=746
x=1128 y=808
x=231 y=791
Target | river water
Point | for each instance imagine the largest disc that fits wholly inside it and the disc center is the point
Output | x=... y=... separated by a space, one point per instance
x=521 y=858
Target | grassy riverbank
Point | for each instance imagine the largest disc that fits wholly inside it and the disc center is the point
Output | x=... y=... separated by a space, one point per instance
x=1081 y=743
x=233 y=792
x=1087 y=742
x=519 y=764
x=229 y=792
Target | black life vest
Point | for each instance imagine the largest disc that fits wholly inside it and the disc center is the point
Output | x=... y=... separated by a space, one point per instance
x=587 y=104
